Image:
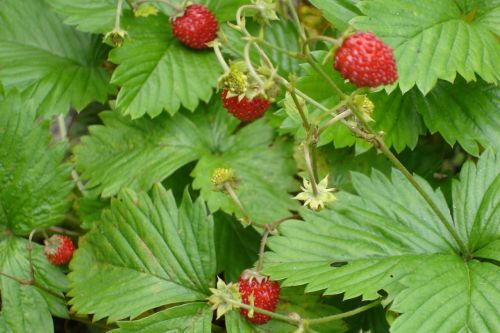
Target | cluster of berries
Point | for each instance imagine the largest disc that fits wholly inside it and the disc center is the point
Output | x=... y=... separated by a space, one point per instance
x=363 y=59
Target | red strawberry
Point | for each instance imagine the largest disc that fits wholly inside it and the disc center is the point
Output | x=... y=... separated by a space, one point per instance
x=265 y=295
x=246 y=109
x=59 y=249
x=366 y=61
x=196 y=27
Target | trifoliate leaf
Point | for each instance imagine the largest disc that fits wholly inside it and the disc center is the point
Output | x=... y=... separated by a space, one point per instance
x=193 y=317
x=145 y=253
x=156 y=72
x=436 y=39
x=339 y=13
x=34 y=183
x=136 y=154
x=26 y=308
x=48 y=61
x=388 y=238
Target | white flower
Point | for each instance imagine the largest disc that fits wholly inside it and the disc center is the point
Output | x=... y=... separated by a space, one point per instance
x=319 y=200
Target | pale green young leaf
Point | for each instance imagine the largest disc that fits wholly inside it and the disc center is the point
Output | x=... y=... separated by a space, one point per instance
x=192 y=317
x=48 y=61
x=145 y=253
x=156 y=72
x=26 y=308
x=436 y=39
x=388 y=238
x=34 y=183
x=338 y=12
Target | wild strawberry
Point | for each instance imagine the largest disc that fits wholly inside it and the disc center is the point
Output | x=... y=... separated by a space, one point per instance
x=59 y=249
x=245 y=109
x=196 y=27
x=264 y=294
x=366 y=61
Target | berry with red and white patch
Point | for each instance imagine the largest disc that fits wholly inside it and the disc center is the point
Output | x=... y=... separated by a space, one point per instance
x=59 y=249
x=366 y=61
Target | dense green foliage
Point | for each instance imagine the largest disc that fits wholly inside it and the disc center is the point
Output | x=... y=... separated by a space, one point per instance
x=116 y=145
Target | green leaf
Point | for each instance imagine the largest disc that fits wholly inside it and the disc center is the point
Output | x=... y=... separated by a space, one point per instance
x=145 y=253
x=462 y=296
x=87 y=15
x=397 y=115
x=98 y=16
x=235 y=323
x=436 y=39
x=338 y=12
x=237 y=248
x=47 y=61
x=193 y=317
x=387 y=237
x=34 y=183
x=477 y=201
x=136 y=154
x=156 y=72
x=341 y=162
x=464 y=113
x=264 y=175
x=26 y=308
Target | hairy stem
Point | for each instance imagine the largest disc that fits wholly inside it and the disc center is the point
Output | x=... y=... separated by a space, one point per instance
x=305 y=322
x=262 y=248
x=339 y=316
x=220 y=57
x=118 y=14
x=334 y=120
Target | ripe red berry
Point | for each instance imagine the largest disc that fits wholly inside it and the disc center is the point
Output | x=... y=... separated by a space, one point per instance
x=59 y=249
x=196 y=27
x=246 y=109
x=265 y=295
x=366 y=61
